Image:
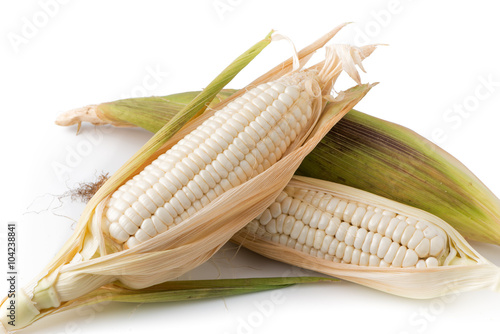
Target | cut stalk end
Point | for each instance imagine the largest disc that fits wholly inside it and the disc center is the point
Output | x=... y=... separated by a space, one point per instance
x=17 y=313
x=79 y=115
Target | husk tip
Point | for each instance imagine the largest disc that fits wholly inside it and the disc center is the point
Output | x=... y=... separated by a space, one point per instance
x=79 y=115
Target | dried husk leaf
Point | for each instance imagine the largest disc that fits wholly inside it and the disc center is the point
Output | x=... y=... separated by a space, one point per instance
x=468 y=271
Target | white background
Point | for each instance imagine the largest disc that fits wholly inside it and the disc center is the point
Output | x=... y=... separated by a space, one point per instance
x=96 y=51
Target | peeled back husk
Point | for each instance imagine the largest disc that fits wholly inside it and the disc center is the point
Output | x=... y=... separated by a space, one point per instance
x=447 y=264
x=91 y=259
x=367 y=153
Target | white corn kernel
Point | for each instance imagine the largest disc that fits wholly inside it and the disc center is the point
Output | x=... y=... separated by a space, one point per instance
x=302 y=216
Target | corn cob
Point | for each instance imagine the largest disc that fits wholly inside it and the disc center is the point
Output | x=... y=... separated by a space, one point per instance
x=239 y=156
x=404 y=166
x=352 y=232
x=237 y=143
x=361 y=237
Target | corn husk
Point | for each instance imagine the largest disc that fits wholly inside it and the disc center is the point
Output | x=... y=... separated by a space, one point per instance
x=90 y=259
x=464 y=268
x=175 y=291
x=367 y=153
x=389 y=150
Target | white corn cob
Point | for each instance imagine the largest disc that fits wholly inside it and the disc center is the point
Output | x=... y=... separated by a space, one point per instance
x=347 y=231
x=238 y=142
x=367 y=239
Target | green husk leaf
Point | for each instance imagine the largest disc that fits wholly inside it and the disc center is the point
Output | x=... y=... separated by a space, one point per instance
x=174 y=291
x=392 y=161
x=202 y=289
x=374 y=155
x=151 y=113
